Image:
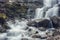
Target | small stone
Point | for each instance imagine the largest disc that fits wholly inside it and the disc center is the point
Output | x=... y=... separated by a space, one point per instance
x=36 y=32
x=29 y=30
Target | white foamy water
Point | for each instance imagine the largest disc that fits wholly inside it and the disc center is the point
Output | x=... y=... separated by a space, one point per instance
x=39 y=13
x=50 y=3
x=52 y=12
x=50 y=9
x=17 y=31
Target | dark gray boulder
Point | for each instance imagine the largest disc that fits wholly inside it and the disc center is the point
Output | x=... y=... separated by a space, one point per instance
x=38 y=36
x=4 y=29
x=55 y=21
x=24 y=39
x=3 y=25
x=44 y=23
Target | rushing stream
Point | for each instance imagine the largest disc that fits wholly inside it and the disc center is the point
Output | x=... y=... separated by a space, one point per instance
x=18 y=27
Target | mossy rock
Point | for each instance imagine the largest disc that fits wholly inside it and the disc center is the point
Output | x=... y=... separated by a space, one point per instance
x=3 y=15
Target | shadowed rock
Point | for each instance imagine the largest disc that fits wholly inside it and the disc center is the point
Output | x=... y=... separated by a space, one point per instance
x=3 y=26
x=43 y=23
x=55 y=21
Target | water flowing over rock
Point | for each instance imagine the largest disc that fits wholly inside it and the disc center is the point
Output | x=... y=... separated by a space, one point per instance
x=41 y=12
x=50 y=9
x=41 y=27
x=53 y=22
x=50 y=3
x=52 y=12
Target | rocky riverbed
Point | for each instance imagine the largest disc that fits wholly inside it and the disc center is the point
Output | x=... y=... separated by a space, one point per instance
x=20 y=30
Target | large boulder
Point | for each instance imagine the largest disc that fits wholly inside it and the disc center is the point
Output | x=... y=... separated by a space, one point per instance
x=40 y=23
x=55 y=21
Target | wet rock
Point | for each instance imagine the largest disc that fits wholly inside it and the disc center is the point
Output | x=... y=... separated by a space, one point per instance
x=38 y=36
x=4 y=29
x=50 y=38
x=42 y=29
x=55 y=21
x=56 y=32
x=57 y=37
x=33 y=30
x=36 y=32
x=2 y=20
x=24 y=39
x=3 y=25
x=32 y=23
x=54 y=36
x=43 y=23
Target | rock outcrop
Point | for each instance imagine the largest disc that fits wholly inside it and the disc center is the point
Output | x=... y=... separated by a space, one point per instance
x=53 y=22
x=43 y=23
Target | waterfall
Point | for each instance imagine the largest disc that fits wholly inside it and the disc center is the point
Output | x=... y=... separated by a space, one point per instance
x=50 y=3
x=58 y=1
x=52 y=12
x=50 y=9
x=39 y=13
x=17 y=31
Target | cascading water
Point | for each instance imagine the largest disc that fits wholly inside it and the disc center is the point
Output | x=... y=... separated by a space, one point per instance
x=18 y=27
x=50 y=9
x=39 y=13
x=46 y=11
x=50 y=3
x=52 y=12
x=17 y=31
